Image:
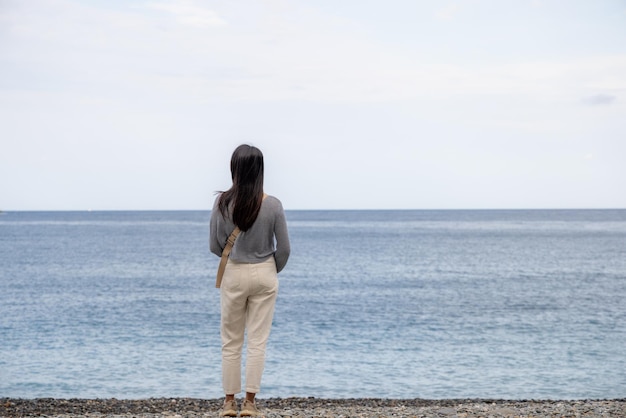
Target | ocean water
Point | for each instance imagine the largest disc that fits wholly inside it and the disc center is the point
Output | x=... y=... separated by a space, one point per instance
x=400 y=304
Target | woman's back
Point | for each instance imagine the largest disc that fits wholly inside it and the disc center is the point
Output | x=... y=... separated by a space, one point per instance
x=266 y=237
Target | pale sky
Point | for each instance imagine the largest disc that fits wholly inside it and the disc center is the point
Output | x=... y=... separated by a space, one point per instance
x=468 y=104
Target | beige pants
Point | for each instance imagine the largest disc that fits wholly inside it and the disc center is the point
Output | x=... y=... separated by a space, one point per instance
x=248 y=296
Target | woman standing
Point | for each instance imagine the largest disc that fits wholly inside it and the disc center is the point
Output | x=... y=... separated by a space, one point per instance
x=250 y=283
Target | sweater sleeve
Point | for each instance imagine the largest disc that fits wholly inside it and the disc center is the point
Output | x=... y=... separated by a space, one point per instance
x=214 y=242
x=283 y=248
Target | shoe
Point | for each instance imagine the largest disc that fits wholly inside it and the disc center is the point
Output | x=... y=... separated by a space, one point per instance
x=249 y=409
x=229 y=409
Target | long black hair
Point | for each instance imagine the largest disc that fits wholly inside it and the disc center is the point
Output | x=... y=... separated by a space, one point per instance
x=245 y=196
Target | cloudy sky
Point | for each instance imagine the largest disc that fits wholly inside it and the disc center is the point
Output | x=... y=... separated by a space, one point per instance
x=392 y=104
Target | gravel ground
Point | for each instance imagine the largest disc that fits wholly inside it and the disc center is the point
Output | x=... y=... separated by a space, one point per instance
x=313 y=407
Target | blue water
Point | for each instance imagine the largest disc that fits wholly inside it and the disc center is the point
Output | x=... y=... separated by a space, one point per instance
x=401 y=304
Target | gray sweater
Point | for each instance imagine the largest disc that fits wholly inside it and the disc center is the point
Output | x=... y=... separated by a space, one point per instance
x=268 y=235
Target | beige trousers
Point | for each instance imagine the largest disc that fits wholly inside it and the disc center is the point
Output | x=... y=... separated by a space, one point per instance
x=248 y=296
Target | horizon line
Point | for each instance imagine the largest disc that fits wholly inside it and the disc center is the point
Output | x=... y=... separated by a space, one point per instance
x=319 y=209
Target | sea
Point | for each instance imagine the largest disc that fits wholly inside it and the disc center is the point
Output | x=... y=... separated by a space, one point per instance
x=499 y=304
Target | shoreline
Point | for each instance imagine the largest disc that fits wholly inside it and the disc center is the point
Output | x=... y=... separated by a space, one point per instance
x=314 y=407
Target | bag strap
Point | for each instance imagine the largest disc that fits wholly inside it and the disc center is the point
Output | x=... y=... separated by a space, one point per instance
x=229 y=246
x=226 y=252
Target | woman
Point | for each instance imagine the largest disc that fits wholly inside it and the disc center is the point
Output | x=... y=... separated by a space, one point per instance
x=250 y=283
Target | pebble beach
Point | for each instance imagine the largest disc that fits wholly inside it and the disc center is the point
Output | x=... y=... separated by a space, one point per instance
x=314 y=407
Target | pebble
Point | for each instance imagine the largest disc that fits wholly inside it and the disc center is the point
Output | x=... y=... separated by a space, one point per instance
x=312 y=408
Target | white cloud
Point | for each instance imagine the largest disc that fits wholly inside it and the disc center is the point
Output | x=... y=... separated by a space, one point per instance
x=300 y=54
x=448 y=12
x=190 y=13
